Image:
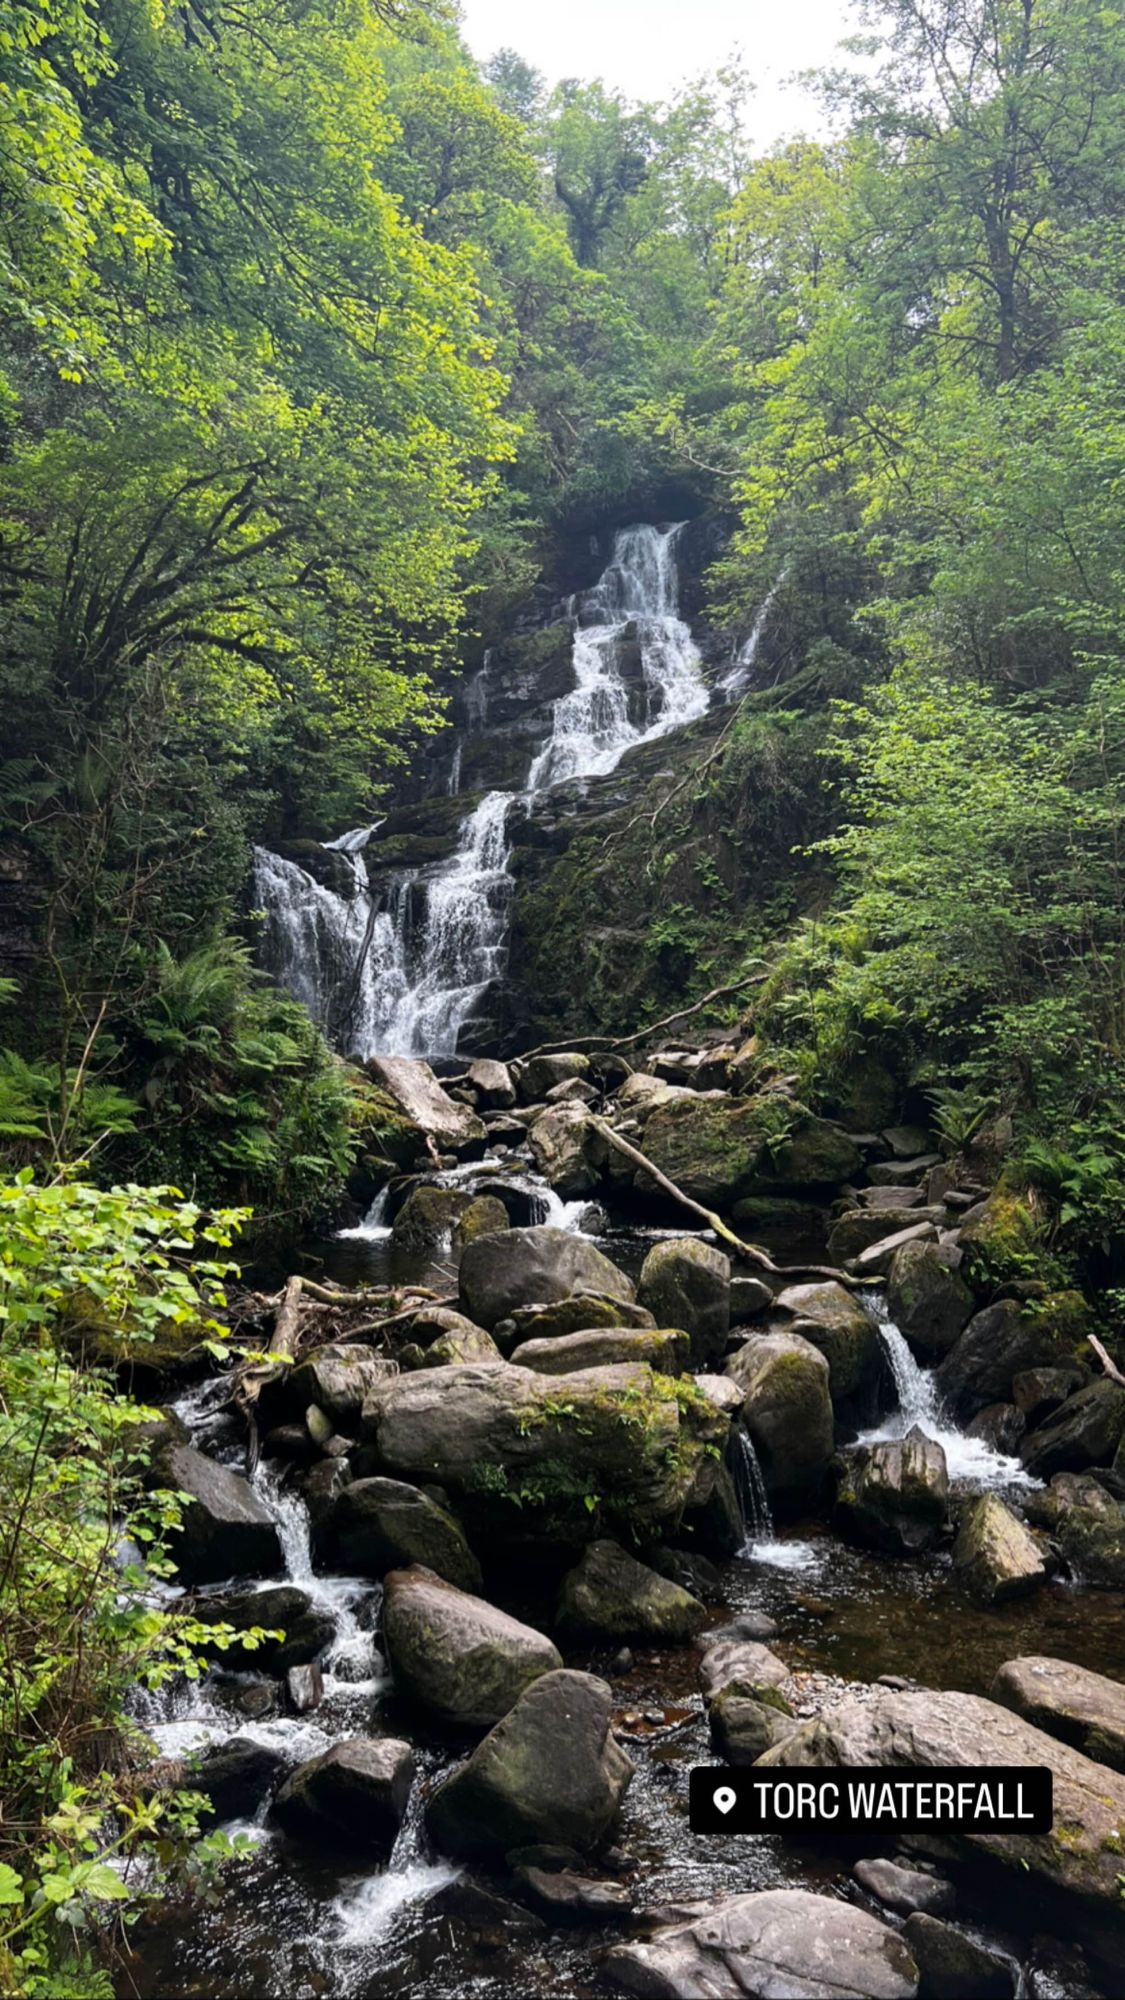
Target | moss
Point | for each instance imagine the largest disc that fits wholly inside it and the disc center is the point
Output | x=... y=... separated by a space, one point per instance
x=1007 y=1242
x=385 y=1138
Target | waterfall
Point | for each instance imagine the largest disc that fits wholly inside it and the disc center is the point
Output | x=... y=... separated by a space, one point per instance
x=750 y=1487
x=970 y=1461
x=738 y=676
x=402 y=975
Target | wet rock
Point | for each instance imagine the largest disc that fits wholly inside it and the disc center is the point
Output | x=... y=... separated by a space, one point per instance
x=998 y=1344
x=716 y=1147
x=562 y=1893
x=897 y=1197
x=665 y=1350
x=715 y=1522
x=321 y=1486
x=771 y=1943
x=748 y=1625
x=485 y=1215
x=335 y=1378
x=308 y=1627
x=519 y=1452
x=744 y=1727
x=565 y=1148
x=994 y=1556
x=491 y=1084
x=609 y=1595
x=416 y=1090
x=1091 y=1537
x=932 y=1727
x=877 y=1259
x=492 y=1920
x=905 y=1889
x=894 y=1496
x=687 y=1283
x=458 y=1656
x=722 y=1391
x=578 y=1314
x=304 y=1687
x=1038 y=1392
x=740 y=1665
x=1000 y=1425
x=1084 y=1709
x=749 y=1297
x=353 y=1794
x=832 y=1319
x=536 y=1075
x=291 y=1442
x=527 y=1267
x=692 y=1572
x=907 y=1142
x=550 y=1771
x=953 y=1966
x=787 y=1410
x=376 y=1525
x=1085 y=1431
x=927 y=1301
x=319 y=1427
x=469 y=1343
x=235 y=1776
x=224 y=1530
x=428 y=1216
x=859 y=1228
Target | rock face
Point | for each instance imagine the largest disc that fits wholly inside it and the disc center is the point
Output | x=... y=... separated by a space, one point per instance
x=601 y=1347
x=832 y=1319
x=549 y=1772
x=929 y=1303
x=521 y=1452
x=225 y=1530
x=527 y=1267
x=894 y=1496
x=418 y=1093
x=454 y=1653
x=777 y=1944
x=612 y=1596
x=994 y=1555
x=687 y=1283
x=1085 y=1431
x=997 y=1344
x=717 y=1147
x=376 y=1525
x=787 y=1410
x=1081 y=1708
x=355 y=1793
x=929 y=1727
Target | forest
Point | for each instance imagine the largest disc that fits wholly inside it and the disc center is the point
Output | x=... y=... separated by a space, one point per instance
x=560 y=781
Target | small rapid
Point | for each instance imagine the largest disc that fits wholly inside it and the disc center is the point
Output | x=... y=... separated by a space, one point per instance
x=973 y=1465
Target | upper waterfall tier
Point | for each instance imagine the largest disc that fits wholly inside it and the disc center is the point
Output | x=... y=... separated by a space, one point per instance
x=402 y=971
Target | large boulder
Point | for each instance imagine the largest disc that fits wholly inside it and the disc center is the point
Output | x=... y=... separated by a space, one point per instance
x=224 y=1528
x=485 y=1215
x=417 y=1092
x=1085 y=1431
x=737 y=1665
x=334 y=1378
x=928 y=1302
x=609 y=1595
x=954 y=1966
x=894 y=1496
x=1091 y=1536
x=455 y=1654
x=663 y=1349
x=428 y=1217
x=466 y=1343
x=491 y=1084
x=927 y=1727
x=527 y=1267
x=1078 y=1706
x=578 y=1314
x=376 y=1525
x=306 y=1627
x=787 y=1410
x=550 y=1772
x=858 y=1228
x=524 y=1455
x=997 y=1344
x=565 y=1146
x=353 y=1794
x=536 y=1075
x=832 y=1319
x=687 y=1283
x=995 y=1556
x=774 y=1944
x=744 y=1726
x=716 y=1147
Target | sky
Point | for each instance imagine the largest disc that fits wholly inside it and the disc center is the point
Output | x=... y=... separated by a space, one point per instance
x=648 y=48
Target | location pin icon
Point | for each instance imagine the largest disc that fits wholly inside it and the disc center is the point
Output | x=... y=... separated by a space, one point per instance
x=724 y=1798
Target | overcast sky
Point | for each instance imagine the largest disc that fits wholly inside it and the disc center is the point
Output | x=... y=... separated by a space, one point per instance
x=647 y=48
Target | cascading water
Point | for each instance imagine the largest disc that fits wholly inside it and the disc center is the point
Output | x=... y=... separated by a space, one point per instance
x=762 y=1543
x=739 y=674
x=970 y=1461
x=403 y=974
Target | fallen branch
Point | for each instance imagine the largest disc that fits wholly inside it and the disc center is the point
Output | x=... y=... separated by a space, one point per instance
x=749 y=1252
x=1107 y=1360
x=282 y=1350
x=609 y=1042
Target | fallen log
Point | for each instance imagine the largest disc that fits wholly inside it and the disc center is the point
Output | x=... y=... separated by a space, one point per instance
x=1107 y=1360
x=609 y=1043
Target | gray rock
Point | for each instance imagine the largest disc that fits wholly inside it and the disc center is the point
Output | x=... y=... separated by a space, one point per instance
x=1078 y=1706
x=994 y=1556
x=859 y=1228
x=905 y=1889
x=1085 y=1431
x=562 y=1892
x=687 y=1283
x=550 y=1771
x=335 y=1378
x=832 y=1318
x=572 y=1090
x=566 y=1147
x=235 y=1776
x=740 y=1665
x=304 y=1687
x=1038 y=1392
x=749 y=1297
x=907 y=1142
x=894 y=1496
x=224 y=1528
x=927 y=1301
x=456 y=1655
x=903 y=1173
x=428 y=1217
x=904 y=1198
x=376 y=1525
x=877 y=1259
x=956 y=1967
x=536 y=1075
x=665 y=1350
x=744 y=1727
x=1091 y=1536
x=1000 y=1425
x=526 y=1267
x=721 y=1390
x=774 y=1944
x=577 y=1314
x=787 y=1410
x=353 y=1794
x=491 y=1084
x=998 y=1344
x=609 y=1595
x=416 y=1090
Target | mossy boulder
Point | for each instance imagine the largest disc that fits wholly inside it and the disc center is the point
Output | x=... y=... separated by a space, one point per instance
x=1085 y=1431
x=1007 y=1240
x=995 y=1557
x=1004 y=1340
x=743 y=1727
x=577 y=1314
x=686 y=1283
x=564 y=1146
x=484 y=1215
x=467 y=1343
x=929 y=1303
x=832 y=1319
x=894 y=1495
x=387 y=1141
x=787 y=1410
x=526 y=1267
x=453 y=1653
x=376 y=1525
x=717 y=1147
x=428 y=1217
x=609 y=1595
x=663 y=1349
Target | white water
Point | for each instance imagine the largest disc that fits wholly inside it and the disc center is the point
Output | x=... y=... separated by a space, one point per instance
x=402 y=975
x=367 y=1907
x=740 y=673
x=762 y=1544
x=552 y=1209
x=971 y=1463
